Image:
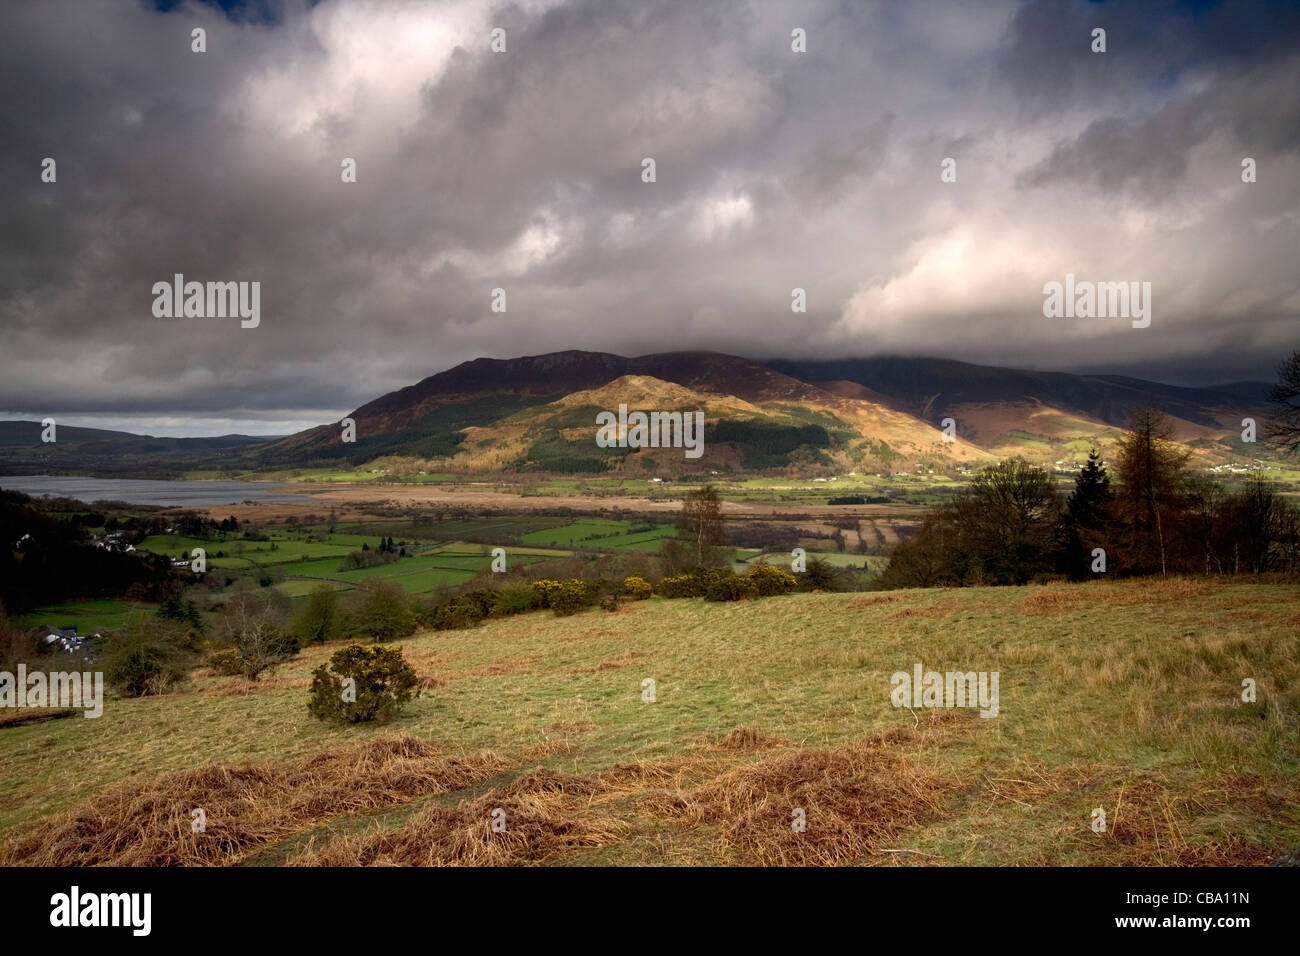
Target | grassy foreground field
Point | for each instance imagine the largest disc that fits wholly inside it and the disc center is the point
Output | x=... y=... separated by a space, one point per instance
x=1120 y=696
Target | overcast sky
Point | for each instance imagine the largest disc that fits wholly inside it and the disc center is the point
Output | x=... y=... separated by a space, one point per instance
x=523 y=170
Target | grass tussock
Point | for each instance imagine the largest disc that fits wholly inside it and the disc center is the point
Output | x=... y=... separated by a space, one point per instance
x=148 y=823
x=1159 y=825
x=858 y=603
x=856 y=799
x=542 y=814
x=749 y=739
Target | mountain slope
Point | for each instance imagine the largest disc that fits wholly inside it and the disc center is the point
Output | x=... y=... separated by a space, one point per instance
x=538 y=413
x=999 y=409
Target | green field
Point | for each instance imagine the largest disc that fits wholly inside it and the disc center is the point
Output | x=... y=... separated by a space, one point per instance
x=88 y=616
x=1121 y=696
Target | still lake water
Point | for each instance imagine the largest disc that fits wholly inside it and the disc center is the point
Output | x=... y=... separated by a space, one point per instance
x=147 y=491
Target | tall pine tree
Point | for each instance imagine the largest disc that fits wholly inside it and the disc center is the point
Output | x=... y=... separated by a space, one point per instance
x=1087 y=511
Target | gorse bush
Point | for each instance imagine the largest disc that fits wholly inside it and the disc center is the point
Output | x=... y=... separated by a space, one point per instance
x=381 y=684
x=545 y=588
x=472 y=607
x=226 y=662
x=637 y=588
x=730 y=587
x=769 y=580
x=683 y=585
x=572 y=596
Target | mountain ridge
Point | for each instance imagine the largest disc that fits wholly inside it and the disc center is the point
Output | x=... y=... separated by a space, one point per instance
x=536 y=413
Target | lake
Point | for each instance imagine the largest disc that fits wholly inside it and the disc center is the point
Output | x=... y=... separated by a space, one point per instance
x=147 y=491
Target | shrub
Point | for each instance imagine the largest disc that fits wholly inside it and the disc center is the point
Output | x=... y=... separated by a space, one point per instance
x=770 y=580
x=572 y=596
x=482 y=600
x=145 y=657
x=226 y=662
x=546 y=587
x=730 y=587
x=637 y=588
x=383 y=684
x=821 y=575
x=515 y=598
x=681 y=586
x=456 y=613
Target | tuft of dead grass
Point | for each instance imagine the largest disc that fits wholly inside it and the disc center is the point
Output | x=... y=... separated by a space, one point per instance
x=1156 y=825
x=148 y=823
x=856 y=798
x=860 y=602
x=544 y=812
x=749 y=738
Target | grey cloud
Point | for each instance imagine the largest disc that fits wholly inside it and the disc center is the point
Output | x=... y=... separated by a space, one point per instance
x=522 y=170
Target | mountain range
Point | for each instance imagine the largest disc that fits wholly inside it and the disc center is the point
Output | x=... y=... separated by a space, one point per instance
x=538 y=413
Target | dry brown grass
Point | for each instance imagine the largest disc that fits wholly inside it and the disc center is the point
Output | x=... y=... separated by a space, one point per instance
x=614 y=663
x=1149 y=822
x=857 y=799
x=858 y=603
x=504 y=668
x=22 y=716
x=148 y=823
x=546 y=812
x=238 y=686
x=750 y=738
x=1056 y=600
x=907 y=613
x=1155 y=825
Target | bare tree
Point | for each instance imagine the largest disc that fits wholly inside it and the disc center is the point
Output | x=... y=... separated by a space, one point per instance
x=1283 y=428
x=253 y=621
x=1150 y=468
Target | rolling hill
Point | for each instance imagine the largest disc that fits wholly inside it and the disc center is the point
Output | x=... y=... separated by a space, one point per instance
x=538 y=413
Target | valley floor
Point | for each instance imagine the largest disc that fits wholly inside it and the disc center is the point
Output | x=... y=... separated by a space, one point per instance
x=1120 y=696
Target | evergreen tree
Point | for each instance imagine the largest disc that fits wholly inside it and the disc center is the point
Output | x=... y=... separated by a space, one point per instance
x=1087 y=511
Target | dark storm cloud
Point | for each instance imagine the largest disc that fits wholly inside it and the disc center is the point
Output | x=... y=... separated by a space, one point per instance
x=522 y=170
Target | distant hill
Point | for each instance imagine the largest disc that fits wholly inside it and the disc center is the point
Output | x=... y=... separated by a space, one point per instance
x=999 y=408
x=101 y=451
x=538 y=413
